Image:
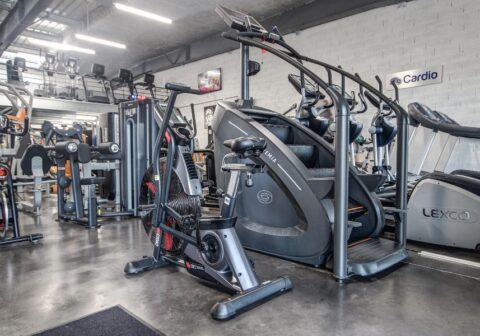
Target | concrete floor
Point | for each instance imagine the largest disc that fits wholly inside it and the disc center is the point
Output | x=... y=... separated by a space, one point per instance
x=74 y=272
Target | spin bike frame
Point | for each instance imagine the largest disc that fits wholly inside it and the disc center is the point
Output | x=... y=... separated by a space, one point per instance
x=226 y=220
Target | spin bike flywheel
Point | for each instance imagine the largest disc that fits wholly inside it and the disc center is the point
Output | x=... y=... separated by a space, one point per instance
x=177 y=199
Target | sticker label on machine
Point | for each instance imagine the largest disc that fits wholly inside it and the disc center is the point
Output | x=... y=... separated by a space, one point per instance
x=416 y=77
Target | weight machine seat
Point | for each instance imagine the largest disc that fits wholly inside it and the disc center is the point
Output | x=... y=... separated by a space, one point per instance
x=469 y=184
x=243 y=145
x=93 y=180
x=31 y=152
x=469 y=173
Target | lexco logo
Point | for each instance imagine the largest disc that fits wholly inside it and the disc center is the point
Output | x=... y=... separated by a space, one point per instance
x=458 y=215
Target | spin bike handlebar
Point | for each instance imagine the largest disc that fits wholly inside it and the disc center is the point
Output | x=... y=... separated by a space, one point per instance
x=182 y=88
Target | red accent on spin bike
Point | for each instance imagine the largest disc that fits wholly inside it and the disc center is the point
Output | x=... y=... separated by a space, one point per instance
x=168 y=238
x=151 y=187
x=168 y=137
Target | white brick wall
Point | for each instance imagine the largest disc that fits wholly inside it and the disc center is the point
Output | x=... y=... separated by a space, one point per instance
x=390 y=39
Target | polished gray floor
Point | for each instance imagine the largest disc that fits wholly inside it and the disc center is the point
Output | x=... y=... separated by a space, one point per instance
x=74 y=272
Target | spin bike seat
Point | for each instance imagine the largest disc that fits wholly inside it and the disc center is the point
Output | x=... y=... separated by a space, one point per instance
x=246 y=146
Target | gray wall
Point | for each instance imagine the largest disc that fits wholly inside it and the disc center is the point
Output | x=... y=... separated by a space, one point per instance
x=381 y=41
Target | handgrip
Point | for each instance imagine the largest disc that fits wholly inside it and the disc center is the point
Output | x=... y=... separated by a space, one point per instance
x=181 y=88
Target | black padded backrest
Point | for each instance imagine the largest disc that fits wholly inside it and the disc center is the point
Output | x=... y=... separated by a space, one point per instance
x=32 y=152
x=84 y=153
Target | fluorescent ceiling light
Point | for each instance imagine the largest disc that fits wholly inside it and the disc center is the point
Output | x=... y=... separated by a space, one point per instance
x=143 y=13
x=100 y=41
x=60 y=46
x=85 y=117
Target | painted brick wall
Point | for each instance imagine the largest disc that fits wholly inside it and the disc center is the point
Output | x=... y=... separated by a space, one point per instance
x=381 y=41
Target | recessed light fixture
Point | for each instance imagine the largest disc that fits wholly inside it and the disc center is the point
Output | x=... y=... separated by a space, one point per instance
x=100 y=41
x=143 y=13
x=60 y=46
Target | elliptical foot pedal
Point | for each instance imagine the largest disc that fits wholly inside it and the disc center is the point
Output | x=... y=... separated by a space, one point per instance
x=229 y=308
x=143 y=265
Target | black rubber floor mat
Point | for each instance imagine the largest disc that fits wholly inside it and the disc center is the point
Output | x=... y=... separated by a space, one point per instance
x=112 y=321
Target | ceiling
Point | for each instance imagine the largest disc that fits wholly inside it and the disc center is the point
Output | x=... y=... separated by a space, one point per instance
x=193 y=20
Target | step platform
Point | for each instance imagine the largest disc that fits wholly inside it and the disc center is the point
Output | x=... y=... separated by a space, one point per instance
x=374 y=255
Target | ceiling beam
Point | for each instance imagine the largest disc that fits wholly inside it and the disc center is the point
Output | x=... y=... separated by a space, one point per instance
x=20 y=17
x=299 y=18
x=74 y=24
x=42 y=36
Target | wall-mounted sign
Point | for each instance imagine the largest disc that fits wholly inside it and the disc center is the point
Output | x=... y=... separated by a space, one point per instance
x=208 y=112
x=416 y=77
x=210 y=81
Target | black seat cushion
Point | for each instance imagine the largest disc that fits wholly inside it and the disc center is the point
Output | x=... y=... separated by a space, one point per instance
x=32 y=152
x=244 y=145
x=470 y=184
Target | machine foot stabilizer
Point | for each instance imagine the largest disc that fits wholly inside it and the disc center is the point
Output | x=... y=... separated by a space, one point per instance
x=143 y=265
x=230 y=307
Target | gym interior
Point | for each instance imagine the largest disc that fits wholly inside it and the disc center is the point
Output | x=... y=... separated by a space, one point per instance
x=239 y=167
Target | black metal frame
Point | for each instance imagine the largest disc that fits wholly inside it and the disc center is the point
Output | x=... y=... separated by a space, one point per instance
x=162 y=210
x=291 y=56
x=12 y=205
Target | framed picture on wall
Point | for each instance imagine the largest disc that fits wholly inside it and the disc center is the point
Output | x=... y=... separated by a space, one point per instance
x=210 y=81
x=208 y=112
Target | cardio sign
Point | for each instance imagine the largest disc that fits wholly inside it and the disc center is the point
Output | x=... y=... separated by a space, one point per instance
x=416 y=77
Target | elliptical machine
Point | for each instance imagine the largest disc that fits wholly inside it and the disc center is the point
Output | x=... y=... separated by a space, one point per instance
x=208 y=247
x=382 y=132
x=445 y=183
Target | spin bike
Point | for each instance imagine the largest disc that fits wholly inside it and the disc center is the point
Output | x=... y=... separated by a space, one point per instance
x=208 y=247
